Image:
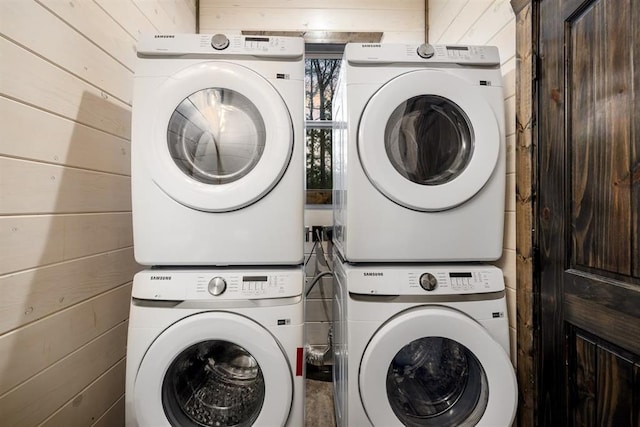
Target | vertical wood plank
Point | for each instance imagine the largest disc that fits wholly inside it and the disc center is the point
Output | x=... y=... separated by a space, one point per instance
x=600 y=86
x=634 y=177
x=582 y=408
x=526 y=172
x=615 y=389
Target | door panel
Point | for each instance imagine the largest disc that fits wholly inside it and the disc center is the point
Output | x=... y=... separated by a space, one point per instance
x=589 y=196
x=606 y=383
x=599 y=133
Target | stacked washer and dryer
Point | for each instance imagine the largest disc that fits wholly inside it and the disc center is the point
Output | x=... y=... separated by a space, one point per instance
x=216 y=326
x=421 y=332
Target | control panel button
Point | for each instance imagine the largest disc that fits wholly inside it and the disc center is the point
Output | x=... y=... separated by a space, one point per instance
x=217 y=286
x=426 y=51
x=428 y=282
x=219 y=42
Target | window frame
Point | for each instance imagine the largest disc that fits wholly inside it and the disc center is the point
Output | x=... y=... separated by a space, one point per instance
x=320 y=51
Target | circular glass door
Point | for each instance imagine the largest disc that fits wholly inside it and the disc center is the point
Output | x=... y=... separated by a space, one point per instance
x=428 y=140
x=222 y=137
x=435 y=366
x=232 y=374
x=435 y=381
x=216 y=136
x=213 y=383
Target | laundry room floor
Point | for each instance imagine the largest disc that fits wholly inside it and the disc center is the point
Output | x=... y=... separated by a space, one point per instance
x=319 y=404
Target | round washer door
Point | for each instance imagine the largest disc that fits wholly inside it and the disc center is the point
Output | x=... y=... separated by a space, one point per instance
x=428 y=140
x=222 y=137
x=211 y=369
x=435 y=366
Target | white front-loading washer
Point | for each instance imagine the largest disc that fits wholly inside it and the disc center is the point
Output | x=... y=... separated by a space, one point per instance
x=421 y=345
x=216 y=347
x=217 y=150
x=419 y=154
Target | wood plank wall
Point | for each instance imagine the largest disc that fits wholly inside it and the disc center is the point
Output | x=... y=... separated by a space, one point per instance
x=400 y=20
x=66 y=258
x=489 y=22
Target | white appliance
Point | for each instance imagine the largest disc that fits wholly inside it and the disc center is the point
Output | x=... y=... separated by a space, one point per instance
x=217 y=150
x=419 y=154
x=216 y=347
x=422 y=345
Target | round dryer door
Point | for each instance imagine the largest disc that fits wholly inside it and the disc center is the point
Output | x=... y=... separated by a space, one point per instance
x=222 y=138
x=234 y=374
x=428 y=140
x=434 y=366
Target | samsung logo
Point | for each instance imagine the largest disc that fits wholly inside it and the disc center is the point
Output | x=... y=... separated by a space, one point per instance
x=160 y=277
x=373 y=274
x=371 y=45
x=163 y=36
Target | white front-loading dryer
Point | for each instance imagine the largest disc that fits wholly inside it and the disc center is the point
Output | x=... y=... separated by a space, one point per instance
x=421 y=345
x=217 y=150
x=419 y=147
x=219 y=347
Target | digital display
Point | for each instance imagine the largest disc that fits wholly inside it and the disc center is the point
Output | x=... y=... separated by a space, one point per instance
x=457 y=48
x=257 y=39
x=456 y=275
x=254 y=278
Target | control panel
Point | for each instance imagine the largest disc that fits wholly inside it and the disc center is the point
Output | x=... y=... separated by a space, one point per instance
x=424 y=53
x=428 y=280
x=215 y=285
x=219 y=44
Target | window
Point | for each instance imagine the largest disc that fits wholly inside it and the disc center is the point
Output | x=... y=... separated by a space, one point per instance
x=322 y=65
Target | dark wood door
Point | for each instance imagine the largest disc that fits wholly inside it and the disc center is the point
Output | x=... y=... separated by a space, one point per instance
x=589 y=212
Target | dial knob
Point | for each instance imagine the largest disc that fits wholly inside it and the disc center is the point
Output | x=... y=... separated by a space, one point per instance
x=217 y=286
x=219 y=42
x=426 y=51
x=428 y=282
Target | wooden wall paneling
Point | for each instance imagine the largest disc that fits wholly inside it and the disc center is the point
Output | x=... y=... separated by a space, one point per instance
x=442 y=13
x=114 y=416
x=127 y=15
x=179 y=12
x=495 y=18
x=37 y=240
x=33 y=294
x=31 y=348
x=90 y=20
x=158 y=16
x=463 y=21
x=318 y=310
x=505 y=40
x=525 y=206
x=92 y=402
x=222 y=19
x=403 y=37
x=317 y=332
x=34 y=188
x=108 y=232
x=35 y=399
x=79 y=56
x=305 y=4
x=59 y=140
x=38 y=82
x=322 y=290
